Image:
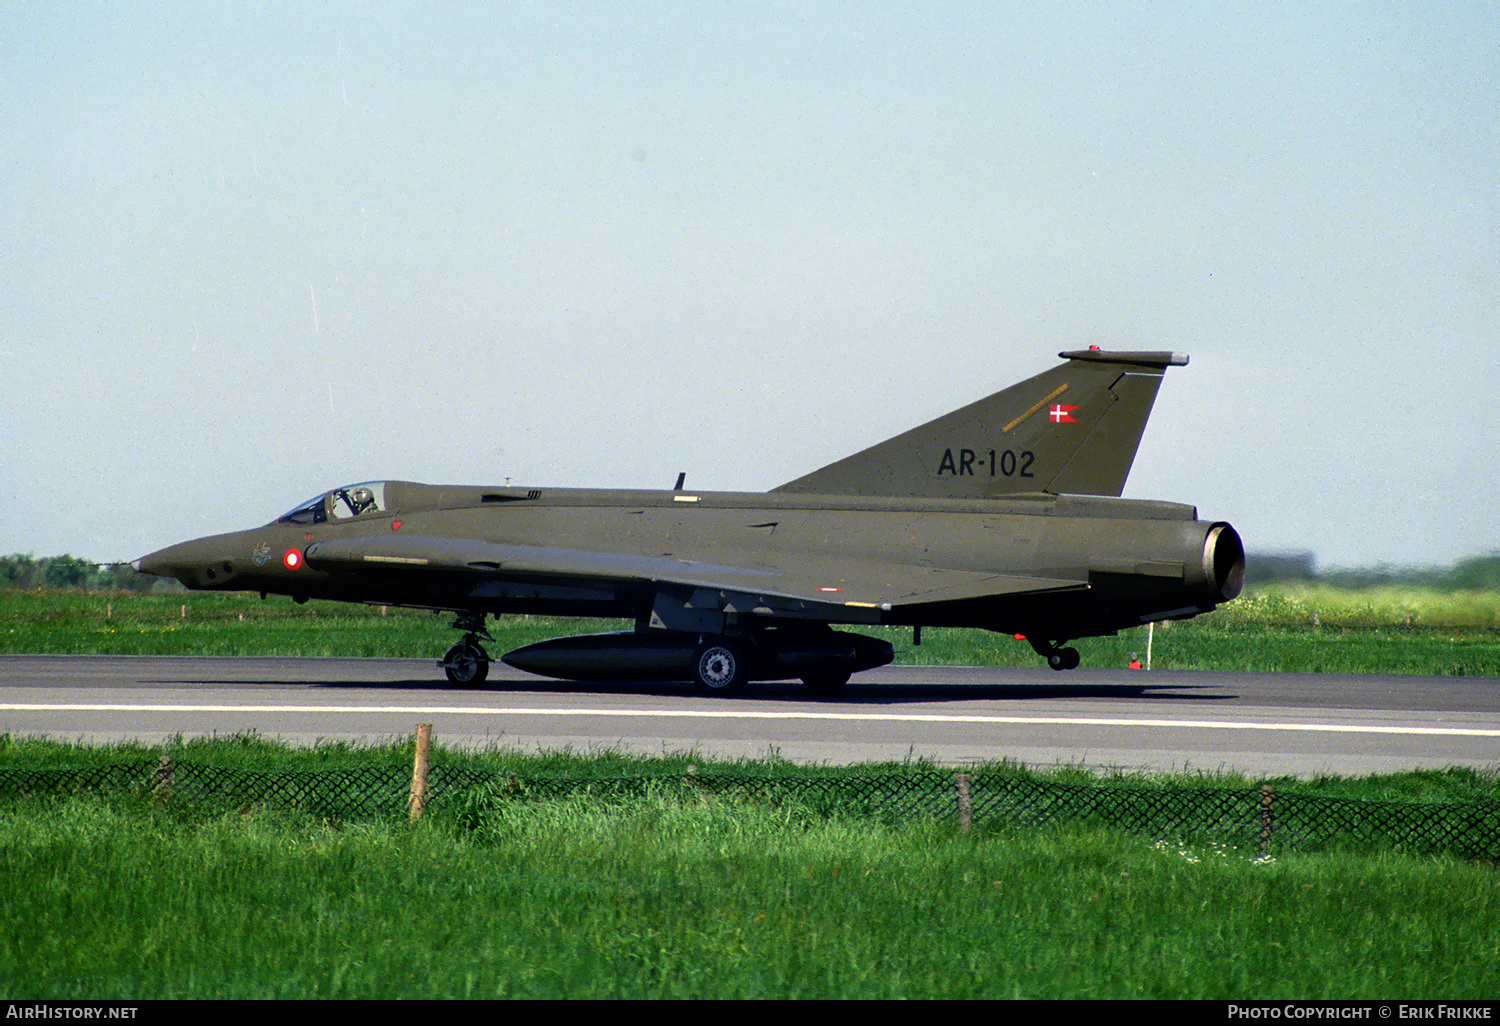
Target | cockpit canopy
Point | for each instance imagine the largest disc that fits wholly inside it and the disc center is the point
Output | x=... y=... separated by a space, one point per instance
x=354 y=500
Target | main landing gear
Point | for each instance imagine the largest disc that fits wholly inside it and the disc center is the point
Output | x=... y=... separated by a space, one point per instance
x=822 y=658
x=720 y=668
x=467 y=664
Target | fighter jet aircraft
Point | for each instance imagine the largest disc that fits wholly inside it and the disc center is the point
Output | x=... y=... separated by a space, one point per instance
x=1003 y=515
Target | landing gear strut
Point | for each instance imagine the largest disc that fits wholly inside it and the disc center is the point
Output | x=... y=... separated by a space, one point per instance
x=467 y=664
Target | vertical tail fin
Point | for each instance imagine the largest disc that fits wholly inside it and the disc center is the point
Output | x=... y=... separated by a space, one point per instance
x=1074 y=428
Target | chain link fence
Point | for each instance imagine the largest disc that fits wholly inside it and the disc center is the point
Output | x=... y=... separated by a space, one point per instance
x=1259 y=817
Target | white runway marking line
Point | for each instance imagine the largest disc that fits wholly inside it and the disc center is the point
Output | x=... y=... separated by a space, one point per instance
x=755 y=714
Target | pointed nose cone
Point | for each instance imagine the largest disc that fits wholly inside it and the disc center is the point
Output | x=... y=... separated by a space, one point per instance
x=157 y=563
x=204 y=563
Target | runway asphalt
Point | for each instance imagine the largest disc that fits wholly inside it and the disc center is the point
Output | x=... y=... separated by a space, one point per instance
x=1258 y=724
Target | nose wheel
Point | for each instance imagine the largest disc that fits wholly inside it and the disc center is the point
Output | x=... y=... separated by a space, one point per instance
x=467 y=664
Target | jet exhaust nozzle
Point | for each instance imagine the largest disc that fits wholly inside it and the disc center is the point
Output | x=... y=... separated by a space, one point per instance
x=1224 y=562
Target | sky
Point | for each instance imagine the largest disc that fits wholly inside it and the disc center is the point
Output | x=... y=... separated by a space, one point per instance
x=251 y=251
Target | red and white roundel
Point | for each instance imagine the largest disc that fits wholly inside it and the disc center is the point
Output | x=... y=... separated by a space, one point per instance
x=293 y=559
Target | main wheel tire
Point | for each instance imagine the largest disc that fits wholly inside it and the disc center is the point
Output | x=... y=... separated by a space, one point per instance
x=719 y=668
x=825 y=683
x=466 y=664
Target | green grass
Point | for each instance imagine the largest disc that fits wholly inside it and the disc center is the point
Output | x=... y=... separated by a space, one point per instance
x=656 y=898
x=1377 y=607
x=676 y=893
x=660 y=896
x=88 y=623
x=251 y=751
x=1302 y=629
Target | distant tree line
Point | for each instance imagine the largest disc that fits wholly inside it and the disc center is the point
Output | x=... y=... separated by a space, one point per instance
x=32 y=573
x=1479 y=573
